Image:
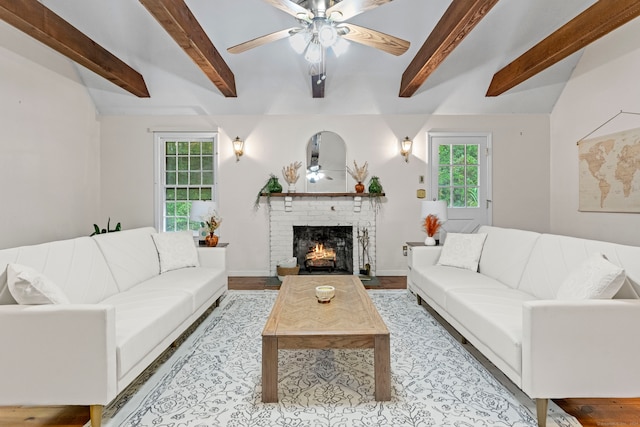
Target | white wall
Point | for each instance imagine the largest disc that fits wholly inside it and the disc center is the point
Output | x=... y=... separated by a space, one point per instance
x=49 y=146
x=521 y=150
x=605 y=81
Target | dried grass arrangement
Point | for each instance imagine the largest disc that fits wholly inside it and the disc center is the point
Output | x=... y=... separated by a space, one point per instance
x=290 y=173
x=431 y=225
x=359 y=173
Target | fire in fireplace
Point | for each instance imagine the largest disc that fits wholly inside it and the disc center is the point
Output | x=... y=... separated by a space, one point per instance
x=320 y=257
x=322 y=249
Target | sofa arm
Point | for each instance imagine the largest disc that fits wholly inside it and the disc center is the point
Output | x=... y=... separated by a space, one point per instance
x=580 y=348
x=215 y=257
x=425 y=255
x=57 y=354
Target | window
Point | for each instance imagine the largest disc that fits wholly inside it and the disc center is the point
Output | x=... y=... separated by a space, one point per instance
x=458 y=175
x=460 y=166
x=186 y=171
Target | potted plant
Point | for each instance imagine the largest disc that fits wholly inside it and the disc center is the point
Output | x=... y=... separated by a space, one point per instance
x=97 y=229
x=359 y=173
x=212 y=225
x=271 y=186
x=291 y=175
x=431 y=225
x=375 y=192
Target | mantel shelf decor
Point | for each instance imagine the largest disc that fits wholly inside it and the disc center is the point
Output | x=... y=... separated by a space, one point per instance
x=324 y=194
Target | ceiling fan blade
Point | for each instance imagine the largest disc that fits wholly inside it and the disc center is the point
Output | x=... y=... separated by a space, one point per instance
x=259 y=41
x=293 y=9
x=385 y=42
x=351 y=8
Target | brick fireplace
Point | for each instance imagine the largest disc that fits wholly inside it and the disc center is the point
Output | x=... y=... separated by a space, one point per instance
x=308 y=209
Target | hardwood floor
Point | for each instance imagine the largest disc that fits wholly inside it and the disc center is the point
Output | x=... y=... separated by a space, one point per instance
x=590 y=412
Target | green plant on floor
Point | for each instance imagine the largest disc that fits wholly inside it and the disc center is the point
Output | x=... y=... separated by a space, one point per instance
x=271 y=186
x=97 y=229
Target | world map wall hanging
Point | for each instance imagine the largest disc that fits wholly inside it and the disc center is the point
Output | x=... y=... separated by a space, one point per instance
x=609 y=172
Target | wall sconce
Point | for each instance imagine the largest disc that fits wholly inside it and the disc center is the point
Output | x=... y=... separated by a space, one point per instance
x=405 y=148
x=238 y=148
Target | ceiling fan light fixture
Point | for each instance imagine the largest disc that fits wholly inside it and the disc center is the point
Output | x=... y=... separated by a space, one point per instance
x=313 y=54
x=299 y=41
x=340 y=47
x=327 y=35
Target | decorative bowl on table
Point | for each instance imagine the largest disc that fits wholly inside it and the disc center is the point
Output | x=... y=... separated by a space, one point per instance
x=325 y=293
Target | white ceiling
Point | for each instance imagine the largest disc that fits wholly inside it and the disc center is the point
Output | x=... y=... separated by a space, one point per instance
x=272 y=79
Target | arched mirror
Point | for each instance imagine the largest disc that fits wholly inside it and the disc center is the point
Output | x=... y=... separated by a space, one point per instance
x=326 y=163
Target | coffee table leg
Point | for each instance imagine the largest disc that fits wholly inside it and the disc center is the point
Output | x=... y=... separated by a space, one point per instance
x=382 y=367
x=269 y=369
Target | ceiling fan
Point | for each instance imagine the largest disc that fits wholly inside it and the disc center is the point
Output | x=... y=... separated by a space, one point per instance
x=322 y=26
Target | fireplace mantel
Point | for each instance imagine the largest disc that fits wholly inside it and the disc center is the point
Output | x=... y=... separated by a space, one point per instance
x=296 y=194
x=357 y=198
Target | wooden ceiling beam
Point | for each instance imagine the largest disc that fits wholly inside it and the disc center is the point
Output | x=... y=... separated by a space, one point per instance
x=39 y=22
x=458 y=21
x=595 y=22
x=176 y=18
x=317 y=85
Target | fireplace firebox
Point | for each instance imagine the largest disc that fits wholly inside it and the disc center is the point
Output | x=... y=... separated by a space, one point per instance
x=323 y=249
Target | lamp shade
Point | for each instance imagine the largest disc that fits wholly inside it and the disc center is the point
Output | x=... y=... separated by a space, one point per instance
x=201 y=210
x=434 y=207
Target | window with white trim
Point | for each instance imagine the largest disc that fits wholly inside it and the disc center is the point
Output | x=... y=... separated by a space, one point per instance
x=186 y=170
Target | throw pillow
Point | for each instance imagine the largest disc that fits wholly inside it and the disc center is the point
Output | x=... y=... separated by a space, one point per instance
x=176 y=250
x=462 y=250
x=29 y=286
x=596 y=278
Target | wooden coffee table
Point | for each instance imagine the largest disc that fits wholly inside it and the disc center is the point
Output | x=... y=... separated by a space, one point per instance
x=298 y=321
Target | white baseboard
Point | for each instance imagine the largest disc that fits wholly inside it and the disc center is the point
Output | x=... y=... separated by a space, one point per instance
x=259 y=273
x=391 y=272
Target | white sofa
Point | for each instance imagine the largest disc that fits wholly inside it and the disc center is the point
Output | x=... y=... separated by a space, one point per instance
x=550 y=348
x=122 y=315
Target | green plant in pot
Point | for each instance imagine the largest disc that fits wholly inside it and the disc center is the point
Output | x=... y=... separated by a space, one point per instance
x=271 y=186
x=375 y=192
x=97 y=229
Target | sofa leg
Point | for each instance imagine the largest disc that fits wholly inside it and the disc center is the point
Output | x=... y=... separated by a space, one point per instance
x=419 y=299
x=463 y=340
x=95 y=412
x=541 y=409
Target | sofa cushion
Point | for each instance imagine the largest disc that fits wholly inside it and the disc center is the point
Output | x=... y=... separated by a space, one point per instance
x=554 y=257
x=595 y=278
x=462 y=250
x=505 y=253
x=436 y=280
x=493 y=316
x=29 y=286
x=144 y=318
x=201 y=283
x=176 y=250
x=131 y=255
x=71 y=264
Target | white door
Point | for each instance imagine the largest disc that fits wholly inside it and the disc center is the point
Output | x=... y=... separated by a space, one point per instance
x=460 y=164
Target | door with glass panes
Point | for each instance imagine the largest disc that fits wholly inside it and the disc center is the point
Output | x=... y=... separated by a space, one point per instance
x=460 y=164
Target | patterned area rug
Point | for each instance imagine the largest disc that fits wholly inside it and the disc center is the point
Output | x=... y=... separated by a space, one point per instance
x=214 y=378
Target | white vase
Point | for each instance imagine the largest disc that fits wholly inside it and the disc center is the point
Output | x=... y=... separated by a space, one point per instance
x=430 y=241
x=292 y=188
